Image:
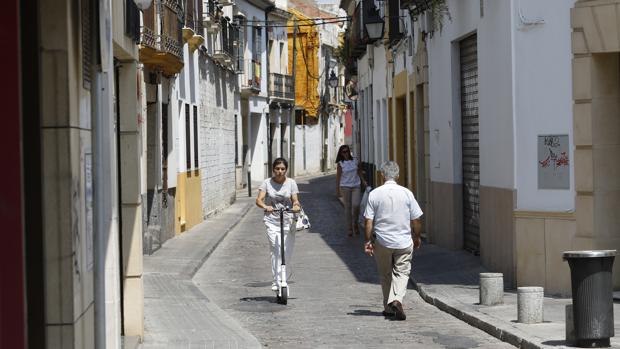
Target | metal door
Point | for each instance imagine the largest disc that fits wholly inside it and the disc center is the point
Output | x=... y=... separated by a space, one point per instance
x=470 y=143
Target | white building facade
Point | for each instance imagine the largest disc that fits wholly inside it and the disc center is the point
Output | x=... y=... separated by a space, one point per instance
x=490 y=136
x=254 y=104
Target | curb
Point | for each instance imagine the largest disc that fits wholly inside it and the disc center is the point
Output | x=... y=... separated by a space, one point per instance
x=504 y=335
x=244 y=212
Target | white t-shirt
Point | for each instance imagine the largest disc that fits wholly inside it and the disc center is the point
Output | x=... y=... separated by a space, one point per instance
x=278 y=195
x=349 y=177
x=392 y=208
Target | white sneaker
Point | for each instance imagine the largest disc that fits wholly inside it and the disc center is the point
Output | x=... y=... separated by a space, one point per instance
x=274 y=287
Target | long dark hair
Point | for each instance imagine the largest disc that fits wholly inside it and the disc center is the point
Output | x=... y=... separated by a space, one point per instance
x=340 y=156
x=278 y=161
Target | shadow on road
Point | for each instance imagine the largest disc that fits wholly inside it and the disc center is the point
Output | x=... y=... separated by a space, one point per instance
x=325 y=212
x=364 y=312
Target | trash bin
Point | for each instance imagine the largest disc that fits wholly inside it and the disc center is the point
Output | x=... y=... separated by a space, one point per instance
x=593 y=311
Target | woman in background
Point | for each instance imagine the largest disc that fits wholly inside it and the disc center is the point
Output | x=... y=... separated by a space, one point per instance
x=348 y=185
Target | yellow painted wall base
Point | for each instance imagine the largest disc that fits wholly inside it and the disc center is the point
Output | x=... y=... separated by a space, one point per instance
x=188 y=201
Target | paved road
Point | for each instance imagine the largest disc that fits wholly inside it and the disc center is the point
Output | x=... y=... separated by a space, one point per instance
x=335 y=299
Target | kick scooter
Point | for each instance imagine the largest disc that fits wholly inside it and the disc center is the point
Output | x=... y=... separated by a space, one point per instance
x=283 y=288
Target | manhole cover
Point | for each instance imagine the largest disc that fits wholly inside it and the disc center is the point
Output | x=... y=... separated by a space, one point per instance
x=260 y=305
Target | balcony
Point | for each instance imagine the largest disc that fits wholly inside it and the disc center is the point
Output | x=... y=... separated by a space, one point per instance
x=193 y=31
x=357 y=37
x=160 y=45
x=281 y=88
x=357 y=42
x=416 y=7
x=250 y=77
x=395 y=24
x=224 y=48
x=211 y=14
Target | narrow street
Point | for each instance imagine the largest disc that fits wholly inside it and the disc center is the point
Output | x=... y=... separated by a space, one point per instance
x=335 y=299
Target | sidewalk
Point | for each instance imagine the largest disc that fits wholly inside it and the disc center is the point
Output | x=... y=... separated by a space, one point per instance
x=177 y=314
x=449 y=280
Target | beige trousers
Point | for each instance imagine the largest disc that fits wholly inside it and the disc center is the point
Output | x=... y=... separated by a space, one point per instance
x=351 y=198
x=394 y=266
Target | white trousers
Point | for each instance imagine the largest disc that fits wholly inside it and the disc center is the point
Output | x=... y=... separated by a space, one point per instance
x=274 y=236
x=351 y=198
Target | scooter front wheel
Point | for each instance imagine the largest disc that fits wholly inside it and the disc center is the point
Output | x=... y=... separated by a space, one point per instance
x=284 y=297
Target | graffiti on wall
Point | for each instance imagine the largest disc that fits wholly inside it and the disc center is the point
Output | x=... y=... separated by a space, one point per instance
x=553 y=162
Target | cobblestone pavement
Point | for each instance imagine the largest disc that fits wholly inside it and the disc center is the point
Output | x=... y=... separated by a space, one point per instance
x=335 y=299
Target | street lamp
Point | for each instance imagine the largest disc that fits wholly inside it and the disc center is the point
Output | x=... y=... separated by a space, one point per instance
x=374 y=24
x=333 y=80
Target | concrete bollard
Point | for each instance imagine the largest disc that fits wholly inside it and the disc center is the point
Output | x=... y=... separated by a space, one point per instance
x=530 y=305
x=491 y=288
x=570 y=326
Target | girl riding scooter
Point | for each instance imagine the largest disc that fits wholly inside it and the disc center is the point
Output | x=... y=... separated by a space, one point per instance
x=276 y=193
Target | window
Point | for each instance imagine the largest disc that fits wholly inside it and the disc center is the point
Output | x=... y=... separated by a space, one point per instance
x=240 y=44
x=164 y=144
x=195 y=137
x=236 y=140
x=282 y=60
x=394 y=23
x=87 y=42
x=257 y=41
x=188 y=143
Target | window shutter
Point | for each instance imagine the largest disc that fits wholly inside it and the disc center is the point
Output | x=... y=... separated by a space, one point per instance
x=132 y=20
x=87 y=44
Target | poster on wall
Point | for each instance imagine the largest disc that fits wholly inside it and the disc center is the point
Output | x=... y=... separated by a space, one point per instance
x=553 y=162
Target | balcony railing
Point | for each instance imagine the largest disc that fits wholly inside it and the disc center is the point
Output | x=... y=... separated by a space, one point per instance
x=394 y=27
x=160 y=37
x=357 y=42
x=211 y=15
x=193 y=30
x=224 y=50
x=357 y=36
x=251 y=76
x=281 y=86
x=416 y=7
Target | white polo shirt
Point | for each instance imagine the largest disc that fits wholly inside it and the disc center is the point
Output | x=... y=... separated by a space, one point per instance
x=392 y=208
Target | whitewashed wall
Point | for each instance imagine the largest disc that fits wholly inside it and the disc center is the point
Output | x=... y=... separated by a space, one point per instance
x=254 y=13
x=257 y=105
x=543 y=80
x=312 y=148
x=524 y=82
x=217 y=109
x=258 y=146
x=494 y=84
x=379 y=93
x=495 y=93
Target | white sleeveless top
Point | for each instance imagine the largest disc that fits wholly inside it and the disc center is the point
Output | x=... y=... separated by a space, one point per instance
x=349 y=177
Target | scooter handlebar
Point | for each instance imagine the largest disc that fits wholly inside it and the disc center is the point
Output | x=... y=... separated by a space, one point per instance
x=284 y=209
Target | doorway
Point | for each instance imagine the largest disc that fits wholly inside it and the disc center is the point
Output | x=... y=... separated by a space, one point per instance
x=401 y=151
x=470 y=142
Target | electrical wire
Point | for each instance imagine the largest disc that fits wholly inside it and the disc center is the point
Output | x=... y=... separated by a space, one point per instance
x=303 y=55
x=304 y=19
x=298 y=25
